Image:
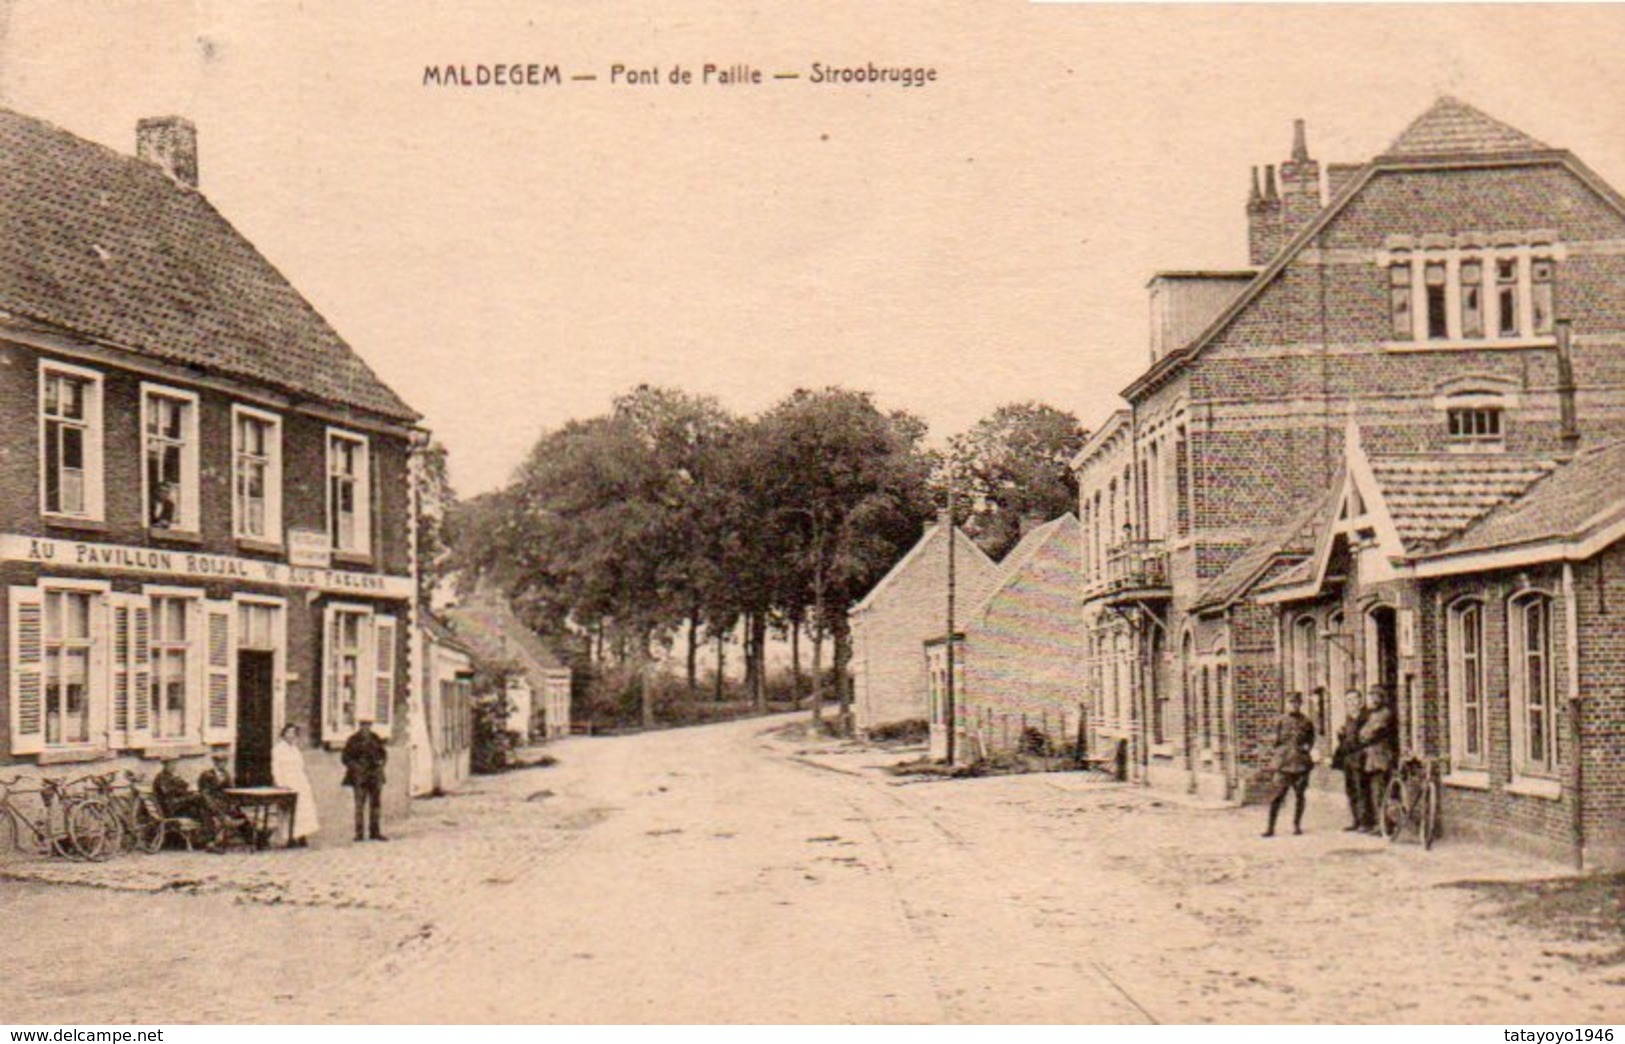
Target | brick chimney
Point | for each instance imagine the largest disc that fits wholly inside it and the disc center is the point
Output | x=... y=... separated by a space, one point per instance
x=1263 y=220
x=1300 y=186
x=170 y=144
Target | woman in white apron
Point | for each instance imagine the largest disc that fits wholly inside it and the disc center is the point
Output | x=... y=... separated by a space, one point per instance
x=288 y=770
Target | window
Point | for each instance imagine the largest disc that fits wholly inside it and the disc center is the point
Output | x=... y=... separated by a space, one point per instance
x=256 y=475
x=67 y=667
x=359 y=658
x=1304 y=637
x=345 y=659
x=1542 y=272
x=1534 y=731
x=170 y=452
x=1506 y=295
x=349 y=496
x=1439 y=292
x=172 y=658
x=1399 y=300
x=1472 y=299
x=71 y=439
x=1465 y=651
x=1434 y=285
x=1474 y=424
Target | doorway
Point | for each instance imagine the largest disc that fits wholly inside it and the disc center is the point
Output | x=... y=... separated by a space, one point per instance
x=1382 y=650
x=256 y=678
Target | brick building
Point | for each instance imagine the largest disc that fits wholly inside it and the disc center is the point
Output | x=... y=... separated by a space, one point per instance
x=1418 y=292
x=1018 y=651
x=204 y=493
x=906 y=608
x=487 y=624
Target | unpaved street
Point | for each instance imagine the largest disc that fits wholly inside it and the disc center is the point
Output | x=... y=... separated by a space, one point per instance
x=722 y=874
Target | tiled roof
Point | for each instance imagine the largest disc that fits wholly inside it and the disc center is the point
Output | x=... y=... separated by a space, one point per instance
x=1563 y=504
x=1431 y=498
x=1453 y=128
x=1010 y=567
x=1291 y=540
x=107 y=247
x=491 y=628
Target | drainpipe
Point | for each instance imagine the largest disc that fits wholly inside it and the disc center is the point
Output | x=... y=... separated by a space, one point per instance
x=1568 y=425
x=1577 y=768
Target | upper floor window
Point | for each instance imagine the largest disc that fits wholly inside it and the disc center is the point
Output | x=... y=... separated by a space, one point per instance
x=256 y=475
x=170 y=453
x=1479 y=424
x=1468 y=292
x=349 y=493
x=71 y=437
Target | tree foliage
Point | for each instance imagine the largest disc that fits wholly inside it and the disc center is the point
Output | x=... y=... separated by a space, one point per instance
x=1015 y=462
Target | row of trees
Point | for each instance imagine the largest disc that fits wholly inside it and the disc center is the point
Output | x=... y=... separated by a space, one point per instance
x=671 y=517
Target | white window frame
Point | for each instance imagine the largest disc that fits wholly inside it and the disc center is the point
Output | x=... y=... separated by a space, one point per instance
x=94 y=496
x=363 y=493
x=273 y=474
x=98 y=678
x=1487 y=251
x=196 y=665
x=1545 y=766
x=1459 y=666
x=188 y=520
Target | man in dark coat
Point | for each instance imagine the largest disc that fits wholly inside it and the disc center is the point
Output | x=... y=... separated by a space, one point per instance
x=364 y=756
x=1346 y=758
x=1294 y=738
x=1379 y=741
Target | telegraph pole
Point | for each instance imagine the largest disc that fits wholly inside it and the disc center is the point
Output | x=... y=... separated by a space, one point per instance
x=948 y=689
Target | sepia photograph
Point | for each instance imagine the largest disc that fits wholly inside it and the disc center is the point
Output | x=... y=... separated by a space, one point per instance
x=701 y=513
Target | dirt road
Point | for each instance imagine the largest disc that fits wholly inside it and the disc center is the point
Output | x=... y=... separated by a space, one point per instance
x=719 y=875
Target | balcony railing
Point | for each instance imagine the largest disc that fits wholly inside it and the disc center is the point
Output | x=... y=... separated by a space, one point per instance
x=1135 y=565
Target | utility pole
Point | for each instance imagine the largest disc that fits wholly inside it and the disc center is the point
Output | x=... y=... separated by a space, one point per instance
x=948 y=702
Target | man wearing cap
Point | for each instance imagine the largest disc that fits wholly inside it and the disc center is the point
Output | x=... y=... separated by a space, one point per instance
x=364 y=756
x=1379 y=742
x=1294 y=738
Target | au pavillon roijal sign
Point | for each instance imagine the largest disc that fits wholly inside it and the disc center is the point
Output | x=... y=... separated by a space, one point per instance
x=196 y=565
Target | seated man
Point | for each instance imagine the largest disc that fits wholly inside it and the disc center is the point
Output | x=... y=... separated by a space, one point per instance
x=176 y=799
x=225 y=817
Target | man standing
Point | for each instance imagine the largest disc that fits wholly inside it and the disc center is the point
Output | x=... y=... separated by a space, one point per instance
x=1347 y=759
x=364 y=756
x=1294 y=738
x=1379 y=736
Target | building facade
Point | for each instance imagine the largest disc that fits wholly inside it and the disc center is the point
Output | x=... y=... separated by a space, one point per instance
x=1420 y=292
x=205 y=520
x=890 y=678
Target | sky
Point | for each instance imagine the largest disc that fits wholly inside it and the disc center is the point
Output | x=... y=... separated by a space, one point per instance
x=510 y=258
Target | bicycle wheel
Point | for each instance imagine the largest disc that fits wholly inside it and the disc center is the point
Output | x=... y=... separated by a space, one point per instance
x=94 y=830
x=1392 y=814
x=148 y=835
x=1430 y=813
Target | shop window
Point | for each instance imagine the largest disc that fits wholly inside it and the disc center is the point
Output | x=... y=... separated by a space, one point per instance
x=71 y=437
x=67 y=667
x=173 y=637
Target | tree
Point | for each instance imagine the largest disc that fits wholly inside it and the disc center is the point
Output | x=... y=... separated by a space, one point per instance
x=841 y=491
x=437 y=503
x=1015 y=462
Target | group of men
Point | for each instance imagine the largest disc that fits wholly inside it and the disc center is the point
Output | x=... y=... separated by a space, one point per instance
x=1366 y=753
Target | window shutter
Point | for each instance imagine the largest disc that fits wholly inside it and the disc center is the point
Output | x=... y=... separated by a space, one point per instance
x=140 y=671
x=220 y=673
x=332 y=728
x=384 y=629
x=27 y=671
x=118 y=719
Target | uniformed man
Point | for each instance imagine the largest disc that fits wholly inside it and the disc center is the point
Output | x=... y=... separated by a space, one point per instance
x=1346 y=758
x=1294 y=738
x=364 y=756
x=1379 y=741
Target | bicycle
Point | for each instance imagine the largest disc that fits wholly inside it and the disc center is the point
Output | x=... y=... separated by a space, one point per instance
x=69 y=826
x=1411 y=802
x=141 y=825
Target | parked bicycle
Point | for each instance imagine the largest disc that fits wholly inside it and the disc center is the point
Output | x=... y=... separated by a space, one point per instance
x=1411 y=802
x=142 y=826
x=68 y=824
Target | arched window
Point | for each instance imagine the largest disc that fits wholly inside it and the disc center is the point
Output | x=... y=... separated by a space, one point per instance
x=1534 y=724
x=1464 y=647
x=1304 y=634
